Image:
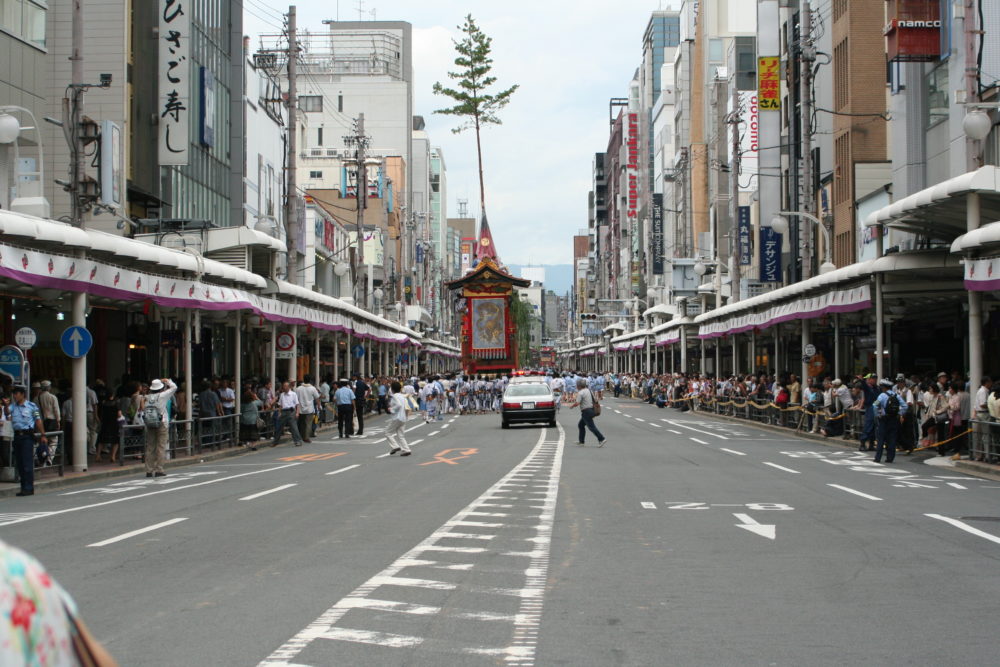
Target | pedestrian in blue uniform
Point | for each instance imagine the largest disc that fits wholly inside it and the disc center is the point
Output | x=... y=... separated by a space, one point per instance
x=26 y=419
x=890 y=410
x=870 y=391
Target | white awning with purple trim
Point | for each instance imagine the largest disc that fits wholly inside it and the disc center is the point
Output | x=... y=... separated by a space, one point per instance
x=844 y=290
x=630 y=341
x=38 y=253
x=982 y=274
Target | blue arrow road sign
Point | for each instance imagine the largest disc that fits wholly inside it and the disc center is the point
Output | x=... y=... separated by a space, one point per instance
x=358 y=351
x=12 y=363
x=76 y=342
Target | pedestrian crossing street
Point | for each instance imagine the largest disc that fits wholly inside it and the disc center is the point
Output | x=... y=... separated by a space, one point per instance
x=480 y=577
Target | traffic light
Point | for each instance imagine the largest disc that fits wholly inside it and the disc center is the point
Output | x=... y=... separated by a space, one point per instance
x=588 y=317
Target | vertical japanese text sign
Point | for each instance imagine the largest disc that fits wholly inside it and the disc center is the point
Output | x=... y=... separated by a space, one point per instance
x=175 y=80
x=770 y=256
x=743 y=234
x=769 y=83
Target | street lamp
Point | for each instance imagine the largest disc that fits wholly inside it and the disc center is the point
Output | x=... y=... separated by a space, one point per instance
x=10 y=128
x=780 y=225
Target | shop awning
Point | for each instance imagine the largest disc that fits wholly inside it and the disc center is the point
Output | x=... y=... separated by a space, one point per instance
x=660 y=309
x=940 y=211
x=669 y=333
x=844 y=290
x=982 y=274
x=630 y=341
x=620 y=325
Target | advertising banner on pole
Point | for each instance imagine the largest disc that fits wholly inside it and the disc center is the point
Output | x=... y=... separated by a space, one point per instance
x=744 y=232
x=657 y=236
x=174 y=111
x=770 y=256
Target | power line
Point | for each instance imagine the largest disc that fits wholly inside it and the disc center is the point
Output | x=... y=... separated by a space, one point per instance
x=267 y=10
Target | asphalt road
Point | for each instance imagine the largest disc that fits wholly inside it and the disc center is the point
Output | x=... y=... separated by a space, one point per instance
x=687 y=540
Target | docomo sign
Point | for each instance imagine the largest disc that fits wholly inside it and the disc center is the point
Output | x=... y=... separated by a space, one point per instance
x=749 y=113
x=632 y=144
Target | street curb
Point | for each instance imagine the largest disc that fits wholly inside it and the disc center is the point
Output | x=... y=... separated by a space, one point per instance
x=978 y=469
x=47 y=484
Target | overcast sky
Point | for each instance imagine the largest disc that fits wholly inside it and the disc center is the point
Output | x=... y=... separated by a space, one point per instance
x=569 y=57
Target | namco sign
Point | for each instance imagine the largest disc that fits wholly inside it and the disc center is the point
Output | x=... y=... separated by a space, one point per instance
x=913 y=33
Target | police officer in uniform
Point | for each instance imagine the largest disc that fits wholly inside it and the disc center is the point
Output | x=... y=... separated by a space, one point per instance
x=26 y=419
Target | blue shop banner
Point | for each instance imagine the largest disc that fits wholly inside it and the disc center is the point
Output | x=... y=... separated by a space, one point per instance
x=770 y=255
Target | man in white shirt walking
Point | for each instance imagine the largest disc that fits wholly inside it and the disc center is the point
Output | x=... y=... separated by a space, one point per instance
x=308 y=405
x=395 y=432
x=288 y=404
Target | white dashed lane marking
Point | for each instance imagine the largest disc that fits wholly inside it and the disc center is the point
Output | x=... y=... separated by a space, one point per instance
x=775 y=465
x=504 y=540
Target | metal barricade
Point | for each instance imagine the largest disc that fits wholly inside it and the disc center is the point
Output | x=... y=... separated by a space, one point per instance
x=217 y=432
x=270 y=420
x=984 y=443
x=131 y=442
x=56 y=457
x=181 y=438
x=853 y=424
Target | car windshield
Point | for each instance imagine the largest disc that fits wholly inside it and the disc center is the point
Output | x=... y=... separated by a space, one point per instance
x=528 y=390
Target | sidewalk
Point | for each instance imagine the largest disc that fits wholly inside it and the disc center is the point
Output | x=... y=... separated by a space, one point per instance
x=48 y=479
x=929 y=456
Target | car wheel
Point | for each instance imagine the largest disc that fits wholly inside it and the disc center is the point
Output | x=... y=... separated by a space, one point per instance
x=552 y=423
x=504 y=424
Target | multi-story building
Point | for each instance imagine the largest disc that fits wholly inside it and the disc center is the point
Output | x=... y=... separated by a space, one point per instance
x=196 y=173
x=24 y=43
x=659 y=42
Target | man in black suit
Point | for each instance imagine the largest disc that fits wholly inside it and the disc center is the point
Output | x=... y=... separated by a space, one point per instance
x=360 y=393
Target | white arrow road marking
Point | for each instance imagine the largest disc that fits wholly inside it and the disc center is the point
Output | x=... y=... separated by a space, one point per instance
x=264 y=493
x=133 y=533
x=764 y=530
x=966 y=527
x=697 y=430
x=857 y=493
x=775 y=465
x=732 y=451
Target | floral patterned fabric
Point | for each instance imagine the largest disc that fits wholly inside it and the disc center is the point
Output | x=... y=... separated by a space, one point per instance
x=35 y=626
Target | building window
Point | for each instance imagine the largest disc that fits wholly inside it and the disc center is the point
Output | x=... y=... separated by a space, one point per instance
x=841 y=63
x=311 y=103
x=340 y=102
x=25 y=19
x=316 y=174
x=319 y=136
x=937 y=95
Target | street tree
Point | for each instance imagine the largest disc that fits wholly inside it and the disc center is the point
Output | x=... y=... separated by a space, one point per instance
x=473 y=101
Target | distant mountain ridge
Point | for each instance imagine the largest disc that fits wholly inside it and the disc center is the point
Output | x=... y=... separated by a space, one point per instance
x=558 y=277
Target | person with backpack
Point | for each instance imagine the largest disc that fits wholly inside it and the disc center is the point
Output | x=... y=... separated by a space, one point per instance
x=890 y=410
x=156 y=418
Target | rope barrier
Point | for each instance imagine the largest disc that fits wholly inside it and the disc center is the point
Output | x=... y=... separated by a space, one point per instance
x=942 y=442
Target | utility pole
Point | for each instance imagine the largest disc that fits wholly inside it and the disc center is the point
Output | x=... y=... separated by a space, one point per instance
x=292 y=195
x=734 y=197
x=807 y=54
x=78 y=391
x=360 y=142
